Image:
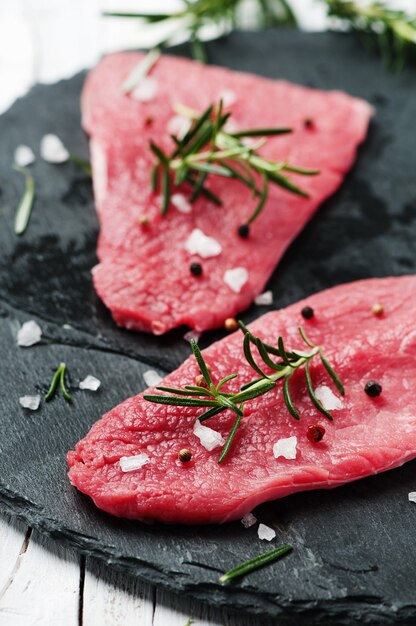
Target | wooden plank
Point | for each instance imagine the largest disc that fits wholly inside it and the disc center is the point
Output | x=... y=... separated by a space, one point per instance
x=13 y=543
x=110 y=598
x=44 y=588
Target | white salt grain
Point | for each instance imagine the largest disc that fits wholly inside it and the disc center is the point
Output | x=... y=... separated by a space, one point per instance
x=151 y=378
x=178 y=126
x=146 y=90
x=227 y=96
x=248 y=520
x=208 y=437
x=29 y=334
x=265 y=532
x=199 y=243
x=412 y=496
x=236 y=278
x=30 y=402
x=285 y=448
x=264 y=298
x=329 y=400
x=192 y=335
x=90 y=382
x=132 y=463
x=181 y=203
x=53 y=150
x=23 y=156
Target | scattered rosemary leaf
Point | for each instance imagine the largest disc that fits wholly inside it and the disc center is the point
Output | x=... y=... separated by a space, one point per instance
x=25 y=206
x=83 y=165
x=58 y=379
x=255 y=563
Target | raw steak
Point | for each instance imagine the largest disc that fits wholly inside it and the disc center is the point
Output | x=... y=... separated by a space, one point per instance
x=143 y=275
x=368 y=435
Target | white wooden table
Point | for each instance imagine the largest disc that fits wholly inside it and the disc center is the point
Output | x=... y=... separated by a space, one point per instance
x=41 y=582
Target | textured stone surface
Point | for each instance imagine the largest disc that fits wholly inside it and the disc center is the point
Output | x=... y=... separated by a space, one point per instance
x=354 y=555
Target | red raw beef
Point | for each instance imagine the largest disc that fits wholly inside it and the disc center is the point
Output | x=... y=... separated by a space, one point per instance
x=368 y=435
x=143 y=275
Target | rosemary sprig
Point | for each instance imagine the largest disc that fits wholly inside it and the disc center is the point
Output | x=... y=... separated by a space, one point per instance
x=394 y=30
x=208 y=148
x=25 y=205
x=58 y=379
x=196 y=15
x=280 y=362
x=255 y=563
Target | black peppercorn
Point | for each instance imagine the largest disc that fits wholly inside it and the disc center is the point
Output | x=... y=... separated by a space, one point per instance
x=308 y=122
x=196 y=269
x=244 y=231
x=373 y=389
x=307 y=312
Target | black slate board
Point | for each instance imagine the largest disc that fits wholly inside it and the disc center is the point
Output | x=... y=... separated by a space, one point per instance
x=353 y=559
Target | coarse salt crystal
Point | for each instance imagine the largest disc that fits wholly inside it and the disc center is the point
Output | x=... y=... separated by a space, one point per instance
x=30 y=402
x=192 y=335
x=227 y=96
x=29 y=334
x=152 y=378
x=53 y=150
x=286 y=448
x=265 y=532
x=201 y=244
x=132 y=463
x=179 y=126
x=23 y=156
x=90 y=382
x=248 y=520
x=236 y=278
x=208 y=437
x=412 y=496
x=329 y=400
x=146 y=90
x=181 y=203
x=264 y=298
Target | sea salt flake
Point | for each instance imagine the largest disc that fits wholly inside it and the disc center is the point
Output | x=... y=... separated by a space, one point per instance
x=227 y=96
x=248 y=520
x=327 y=397
x=146 y=90
x=29 y=334
x=181 y=203
x=152 y=378
x=208 y=437
x=286 y=448
x=30 y=402
x=265 y=532
x=201 y=244
x=192 y=335
x=132 y=463
x=90 y=382
x=412 y=496
x=265 y=298
x=236 y=278
x=53 y=150
x=23 y=156
x=179 y=126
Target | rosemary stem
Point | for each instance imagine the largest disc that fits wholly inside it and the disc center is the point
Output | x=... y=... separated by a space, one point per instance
x=255 y=563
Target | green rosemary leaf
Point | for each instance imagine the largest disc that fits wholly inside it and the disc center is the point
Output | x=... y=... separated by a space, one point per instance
x=230 y=439
x=195 y=128
x=234 y=173
x=226 y=380
x=25 y=205
x=265 y=356
x=225 y=401
x=64 y=390
x=159 y=153
x=198 y=186
x=165 y=190
x=301 y=170
x=205 y=191
x=211 y=169
x=261 y=132
x=178 y=401
x=149 y=17
x=254 y=391
x=183 y=392
x=83 y=165
x=263 y=199
x=305 y=338
x=288 y=400
x=202 y=390
x=250 y=384
x=282 y=351
x=211 y=412
x=286 y=183
x=201 y=363
x=312 y=395
x=334 y=376
x=249 y=356
x=58 y=379
x=255 y=563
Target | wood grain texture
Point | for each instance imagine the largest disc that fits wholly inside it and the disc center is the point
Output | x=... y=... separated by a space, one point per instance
x=352 y=560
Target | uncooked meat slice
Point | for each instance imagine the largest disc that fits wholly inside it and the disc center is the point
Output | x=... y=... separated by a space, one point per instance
x=144 y=274
x=368 y=434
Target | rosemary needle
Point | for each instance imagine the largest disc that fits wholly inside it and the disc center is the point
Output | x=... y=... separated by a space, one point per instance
x=58 y=379
x=24 y=208
x=255 y=563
